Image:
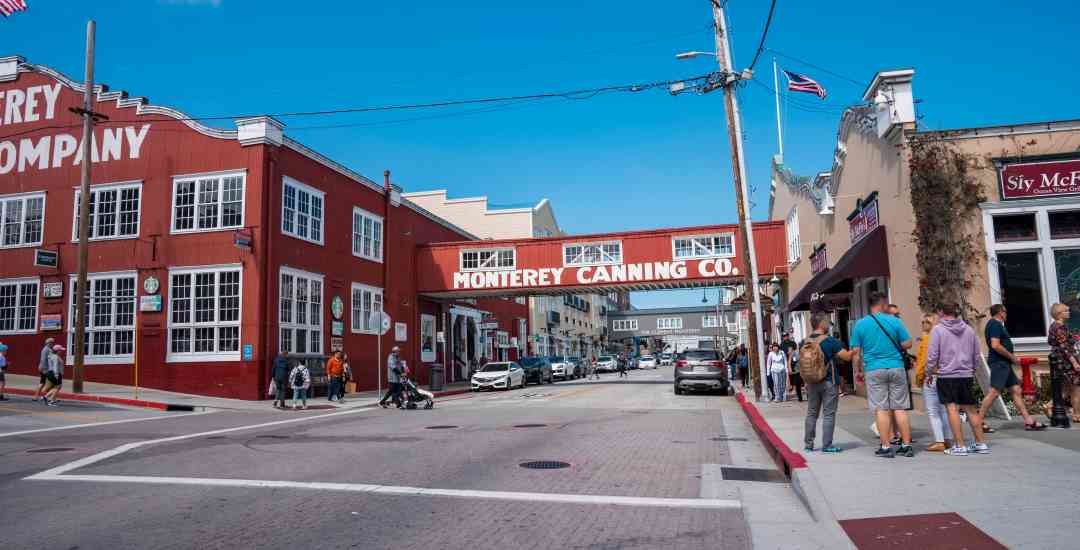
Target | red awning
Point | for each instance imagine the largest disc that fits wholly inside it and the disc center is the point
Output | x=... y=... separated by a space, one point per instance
x=868 y=258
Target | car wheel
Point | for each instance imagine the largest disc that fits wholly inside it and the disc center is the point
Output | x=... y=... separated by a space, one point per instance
x=678 y=390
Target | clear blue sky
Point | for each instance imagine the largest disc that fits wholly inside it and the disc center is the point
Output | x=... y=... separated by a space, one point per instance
x=619 y=161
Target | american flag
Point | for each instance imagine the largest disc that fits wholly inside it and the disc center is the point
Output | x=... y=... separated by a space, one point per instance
x=797 y=83
x=9 y=7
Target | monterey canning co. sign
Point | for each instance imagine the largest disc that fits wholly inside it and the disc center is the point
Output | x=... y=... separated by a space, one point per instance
x=1031 y=180
x=593 y=275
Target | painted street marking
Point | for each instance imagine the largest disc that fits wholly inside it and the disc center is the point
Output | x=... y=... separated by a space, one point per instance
x=106 y=423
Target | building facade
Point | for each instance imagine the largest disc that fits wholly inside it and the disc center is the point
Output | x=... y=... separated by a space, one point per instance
x=677 y=329
x=210 y=251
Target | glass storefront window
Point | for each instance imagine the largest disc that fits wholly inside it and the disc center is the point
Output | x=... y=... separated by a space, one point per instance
x=1021 y=292
x=1067 y=263
x=1064 y=224
x=1015 y=227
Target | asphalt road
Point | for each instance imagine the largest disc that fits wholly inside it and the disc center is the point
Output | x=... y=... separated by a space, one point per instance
x=644 y=468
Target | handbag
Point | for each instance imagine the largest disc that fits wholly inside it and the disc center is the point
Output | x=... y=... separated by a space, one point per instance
x=272 y=389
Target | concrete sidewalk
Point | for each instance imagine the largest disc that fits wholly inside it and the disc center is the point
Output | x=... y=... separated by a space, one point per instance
x=1023 y=494
x=114 y=394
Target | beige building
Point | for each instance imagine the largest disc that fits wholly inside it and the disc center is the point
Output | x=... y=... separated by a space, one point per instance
x=558 y=325
x=852 y=230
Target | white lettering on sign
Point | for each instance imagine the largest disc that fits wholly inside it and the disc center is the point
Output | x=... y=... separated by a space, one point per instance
x=591 y=275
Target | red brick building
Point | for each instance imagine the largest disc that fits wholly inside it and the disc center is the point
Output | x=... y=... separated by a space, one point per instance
x=214 y=249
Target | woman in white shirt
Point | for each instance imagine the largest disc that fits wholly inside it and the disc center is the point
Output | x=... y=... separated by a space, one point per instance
x=777 y=363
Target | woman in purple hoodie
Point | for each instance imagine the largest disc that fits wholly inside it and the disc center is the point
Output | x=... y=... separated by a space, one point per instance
x=951 y=359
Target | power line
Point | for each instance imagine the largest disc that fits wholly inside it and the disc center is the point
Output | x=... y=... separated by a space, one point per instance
x=818 y=67
x=764 y=33
x=805 y=106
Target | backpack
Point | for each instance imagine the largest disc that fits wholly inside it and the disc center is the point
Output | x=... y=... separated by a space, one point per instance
x=812 y=364
x=298 y=378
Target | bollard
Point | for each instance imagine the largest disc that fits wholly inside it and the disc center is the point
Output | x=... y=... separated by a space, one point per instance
x=1028 y=377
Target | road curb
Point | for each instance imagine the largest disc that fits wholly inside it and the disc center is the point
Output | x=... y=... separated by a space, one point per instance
x=111 y=400
x=786 y=459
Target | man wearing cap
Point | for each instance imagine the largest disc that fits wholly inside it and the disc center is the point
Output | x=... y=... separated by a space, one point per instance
x=393 y=377
x=3 y=367
x=43 y=367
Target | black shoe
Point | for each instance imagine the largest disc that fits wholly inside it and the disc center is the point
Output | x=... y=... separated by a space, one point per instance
x=384 y=405
x=885 y=453
x=906 y=451
x=896 y=441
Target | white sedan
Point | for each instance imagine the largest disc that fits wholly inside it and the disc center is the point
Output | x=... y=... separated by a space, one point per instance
x=499 y=376
x=647 y=362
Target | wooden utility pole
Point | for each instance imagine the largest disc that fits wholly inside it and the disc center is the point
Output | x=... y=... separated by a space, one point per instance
x=738 y=164
x=81 y=291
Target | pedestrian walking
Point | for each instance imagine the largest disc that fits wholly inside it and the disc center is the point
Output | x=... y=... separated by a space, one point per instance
x=936 y=411
x=594 y=373
x=817 y=355
x=55 y=376
x=778 y=373
x=790 y=348
x=1063 y=357
x=3 y=369
x=1000 y=358
x=300 y=380
x=622 y=366
x=279 y=374
x=346 y=377
x=880 y=342
x=394 y=371
x=951 y=358
x=43 y=368
x=743 y=361
x=335 y=371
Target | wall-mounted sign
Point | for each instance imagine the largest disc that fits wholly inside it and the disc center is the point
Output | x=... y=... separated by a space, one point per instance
x=151 y=285
x=384 y=324
x=52 y=290
x=337 y=343
x=818 y=261
x=337 y=307
x=492 y=325
x=864 y=221
x=46 y=258
x=440 y=337
x=1031 y=180
x=401 y=332
x=242 y=239
x=150 y=303
x=247 y=352
x=337 y=328
x=52 y=321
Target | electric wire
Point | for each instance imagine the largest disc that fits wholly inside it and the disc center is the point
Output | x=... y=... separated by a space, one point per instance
x=818 y=67
x=764 y=33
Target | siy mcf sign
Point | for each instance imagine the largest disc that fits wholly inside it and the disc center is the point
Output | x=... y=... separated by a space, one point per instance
x=593 y=275
x=1040 y=179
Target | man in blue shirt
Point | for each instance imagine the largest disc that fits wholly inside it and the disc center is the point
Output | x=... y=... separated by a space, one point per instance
x=875 y=340
x=824 y=392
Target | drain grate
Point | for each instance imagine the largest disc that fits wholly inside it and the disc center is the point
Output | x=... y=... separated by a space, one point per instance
x=545 y=465
x=723 y=438
x=530 y=425
x=52 y=450
x=752 y=474
x=271 y=437
x=441 y=427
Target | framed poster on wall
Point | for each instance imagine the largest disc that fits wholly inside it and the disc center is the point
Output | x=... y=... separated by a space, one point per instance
x=427 y=338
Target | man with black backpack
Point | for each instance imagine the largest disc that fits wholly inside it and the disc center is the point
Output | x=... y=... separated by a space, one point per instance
x=816 y=356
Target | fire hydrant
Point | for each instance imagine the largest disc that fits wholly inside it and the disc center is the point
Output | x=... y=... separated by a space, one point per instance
x=1029 y=382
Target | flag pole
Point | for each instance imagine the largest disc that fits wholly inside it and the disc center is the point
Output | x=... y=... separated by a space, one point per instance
x=776 y=93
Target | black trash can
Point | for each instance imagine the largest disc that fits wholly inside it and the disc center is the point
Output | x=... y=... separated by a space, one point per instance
x=437 y=378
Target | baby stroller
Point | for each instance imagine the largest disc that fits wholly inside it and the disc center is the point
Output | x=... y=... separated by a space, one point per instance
x=414 y=396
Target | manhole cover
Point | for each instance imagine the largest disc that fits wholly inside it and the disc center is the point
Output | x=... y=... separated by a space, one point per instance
x=544 y=465
x=446 y=427
x=530 y=425
x=722 y=438
x=271 y=437
x=753 y=474
x=52 y=450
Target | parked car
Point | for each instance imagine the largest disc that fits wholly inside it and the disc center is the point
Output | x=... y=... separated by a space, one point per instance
x=647 y=362
x=561 y=367
x=501 y=375
x=537 y=370
x=606 y=363
x=700 y=369
x=667 y=359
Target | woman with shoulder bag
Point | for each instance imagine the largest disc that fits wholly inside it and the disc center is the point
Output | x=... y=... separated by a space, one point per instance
x=1063 y=357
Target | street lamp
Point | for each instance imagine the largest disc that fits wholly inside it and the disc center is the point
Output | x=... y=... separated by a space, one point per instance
x=691 y=55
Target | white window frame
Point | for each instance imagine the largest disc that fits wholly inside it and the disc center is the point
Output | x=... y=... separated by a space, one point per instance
x=580 y=260
x=198 y=178
x=24 y=198
x=19 y=282
x=523 y=336
x=110 y=358
x=95 y=191
x=301 y=187
x=355 y=326
x=376 y=238
x=704 y=253
x=313 y=316
x=503 y=339
x=793 y=244
x=624 y=325
x=427 y=330
x=484 y=265
x=199 y=357
x=1043 y=245
x=710 y=321
x=669 y=323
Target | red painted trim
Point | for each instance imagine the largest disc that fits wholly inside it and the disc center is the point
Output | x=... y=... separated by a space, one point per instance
x=785 y=458
x=98 y=399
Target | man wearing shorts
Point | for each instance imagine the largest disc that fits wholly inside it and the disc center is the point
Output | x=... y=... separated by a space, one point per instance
x=1001 y=359
x=43 y=367
x=951 y=358
x=874 y=340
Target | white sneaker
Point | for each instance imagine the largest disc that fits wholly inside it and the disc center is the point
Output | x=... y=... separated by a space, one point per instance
x=957 y=451
x=979 y=448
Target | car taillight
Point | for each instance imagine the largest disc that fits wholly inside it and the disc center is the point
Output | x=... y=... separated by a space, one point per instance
x=680 y=363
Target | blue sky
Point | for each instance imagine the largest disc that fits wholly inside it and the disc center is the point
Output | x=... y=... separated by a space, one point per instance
x=614 y=162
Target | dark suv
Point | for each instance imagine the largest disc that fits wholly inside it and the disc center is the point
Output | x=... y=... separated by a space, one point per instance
x=537 y=370
x=700 y=369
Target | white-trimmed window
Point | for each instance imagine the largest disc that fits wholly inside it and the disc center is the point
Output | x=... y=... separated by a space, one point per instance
x=488 y=259
x=367 y=235
x=366 y=301
x=503 y=338
x=669 y=323
x=22 y=218
x=110 y=317
x=114 y=211
x=208 y=202
x=302 y=209
x=730 y=319
x=717 y=245
x=204 y=314
x=300 y=312
x=19 y=305
x=583 y=254
x=624 y=324
x=709 y=321
x=792 y=228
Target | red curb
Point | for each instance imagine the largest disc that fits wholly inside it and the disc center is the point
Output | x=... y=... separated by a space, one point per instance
x=785 y=458
x=101 y=399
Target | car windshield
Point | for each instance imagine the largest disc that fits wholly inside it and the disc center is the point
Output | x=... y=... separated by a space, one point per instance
x=531 y=362
x=496 y=367
x=606 y=358
x=646 y=358
x=557 y=359
x=700 y=355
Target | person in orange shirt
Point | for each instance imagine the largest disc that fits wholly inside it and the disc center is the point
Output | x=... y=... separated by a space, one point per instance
x=335 y=370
